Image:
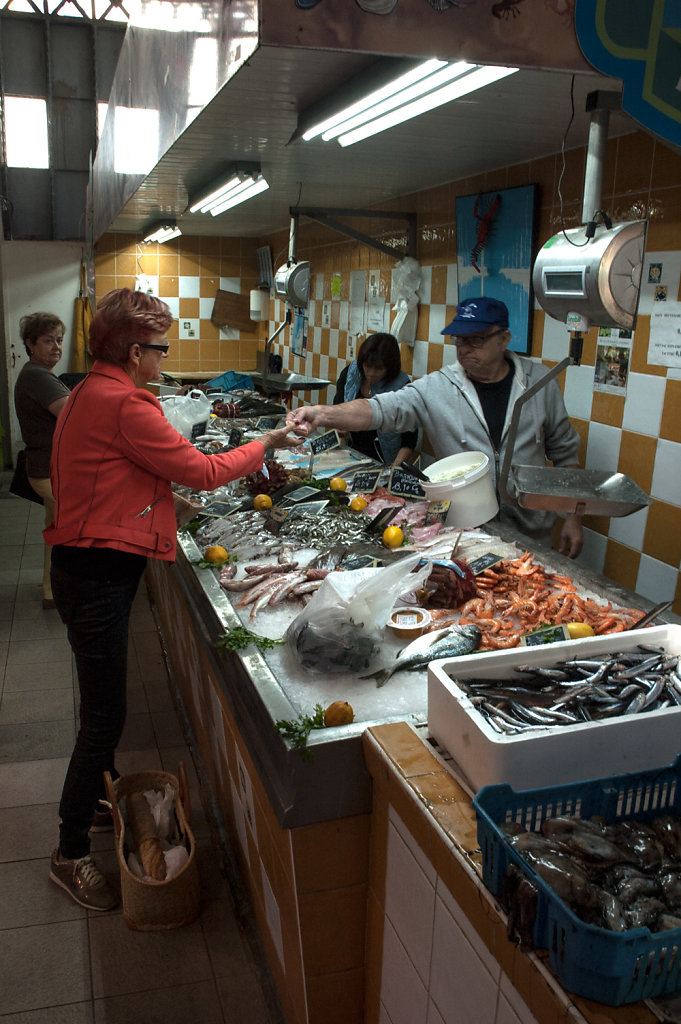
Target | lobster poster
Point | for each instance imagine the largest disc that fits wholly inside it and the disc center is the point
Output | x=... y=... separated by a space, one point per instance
x=495 y=241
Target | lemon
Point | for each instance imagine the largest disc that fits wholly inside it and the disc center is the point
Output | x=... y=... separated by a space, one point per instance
x=358 y=503
x=577 y=630
x=262 y=501
x=392 y=537
x=338 y=484
x=338 y=713
x=216 y=554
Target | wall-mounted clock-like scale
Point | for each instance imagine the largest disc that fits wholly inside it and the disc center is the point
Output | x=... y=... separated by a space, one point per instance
x=596 y=281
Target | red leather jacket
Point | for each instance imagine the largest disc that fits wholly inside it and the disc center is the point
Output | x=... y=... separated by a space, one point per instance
x=114 y=455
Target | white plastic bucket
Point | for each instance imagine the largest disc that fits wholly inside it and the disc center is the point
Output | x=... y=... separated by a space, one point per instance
x=472 y=497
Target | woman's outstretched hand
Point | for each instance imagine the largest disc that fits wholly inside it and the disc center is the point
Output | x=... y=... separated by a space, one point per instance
x=283 y=437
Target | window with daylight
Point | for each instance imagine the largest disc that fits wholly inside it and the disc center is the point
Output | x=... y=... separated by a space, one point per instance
x=26 y=132
x=90 y=10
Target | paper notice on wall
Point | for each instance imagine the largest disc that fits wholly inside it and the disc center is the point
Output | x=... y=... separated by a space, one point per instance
x=378 y=311
x=358 y=289
x=664 y=346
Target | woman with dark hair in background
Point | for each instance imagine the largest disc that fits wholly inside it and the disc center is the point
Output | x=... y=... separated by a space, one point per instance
x=114 y=457
x=39 y=397
x=377 y=369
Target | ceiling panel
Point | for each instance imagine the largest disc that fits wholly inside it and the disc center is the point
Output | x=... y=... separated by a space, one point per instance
x=521 y=118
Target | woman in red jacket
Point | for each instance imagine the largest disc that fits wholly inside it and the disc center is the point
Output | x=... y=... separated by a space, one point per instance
x=114 y=456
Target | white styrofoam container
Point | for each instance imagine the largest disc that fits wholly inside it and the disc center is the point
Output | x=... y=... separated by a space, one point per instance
x=557 y=754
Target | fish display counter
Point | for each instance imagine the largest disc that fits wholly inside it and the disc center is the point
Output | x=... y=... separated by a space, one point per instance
x=296 y=797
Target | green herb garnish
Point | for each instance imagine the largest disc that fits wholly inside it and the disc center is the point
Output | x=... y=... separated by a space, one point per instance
x=192 y=527
x=298 y=729
x=240 y=637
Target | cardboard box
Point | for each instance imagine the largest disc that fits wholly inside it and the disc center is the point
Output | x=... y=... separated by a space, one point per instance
x=555 y=754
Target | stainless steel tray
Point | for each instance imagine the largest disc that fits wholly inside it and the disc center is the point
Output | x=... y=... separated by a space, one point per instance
x=585 y=491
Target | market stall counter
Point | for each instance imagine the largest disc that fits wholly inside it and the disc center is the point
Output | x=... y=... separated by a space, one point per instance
x=301 y=820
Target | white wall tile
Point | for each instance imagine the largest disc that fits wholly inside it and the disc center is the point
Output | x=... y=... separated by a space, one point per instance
x=643 y=404
x=630 y=529
x=409 y=902
x=437 y=323
x=434 y=1015
x=423 y=861
x=402 y=991
x=333 y=342
x=579 y=391
x=189 y=287
x=656 y=580
x=666 y=483
x=603 y=447
x=173 y=304
x=452 y=287
x=324 y=367
x=228 y=284
x=556 y=340
x=206 y=308
x=453 y=908
x=512 y=1008
x=593 y=552
x=420 y=364
x=344 y=316
x=460 y=985
x=319 y=286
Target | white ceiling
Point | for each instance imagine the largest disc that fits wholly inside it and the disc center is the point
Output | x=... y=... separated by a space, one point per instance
x=253 y=118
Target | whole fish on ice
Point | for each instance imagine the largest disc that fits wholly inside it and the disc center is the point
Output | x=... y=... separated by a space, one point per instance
x=449 y=642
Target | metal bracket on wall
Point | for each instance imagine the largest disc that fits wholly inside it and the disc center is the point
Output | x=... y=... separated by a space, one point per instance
x=326 y=216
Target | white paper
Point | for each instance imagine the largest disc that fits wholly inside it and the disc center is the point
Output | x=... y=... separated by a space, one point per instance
x=664 y=347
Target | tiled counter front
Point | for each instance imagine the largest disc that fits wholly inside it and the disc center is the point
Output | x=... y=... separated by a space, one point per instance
x=437 y=950
x=307 y=884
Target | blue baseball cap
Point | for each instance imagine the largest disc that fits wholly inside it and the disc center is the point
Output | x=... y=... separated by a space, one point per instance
x=475 y=315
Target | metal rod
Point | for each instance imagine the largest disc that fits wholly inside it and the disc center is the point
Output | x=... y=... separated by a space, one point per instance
x=515 y=420
x=268 y=346
x=595 y=163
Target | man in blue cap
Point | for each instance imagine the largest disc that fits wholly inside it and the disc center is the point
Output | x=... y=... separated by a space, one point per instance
x=467 y=406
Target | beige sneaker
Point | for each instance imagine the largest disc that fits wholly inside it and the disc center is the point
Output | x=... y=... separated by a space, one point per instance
x=83 y=881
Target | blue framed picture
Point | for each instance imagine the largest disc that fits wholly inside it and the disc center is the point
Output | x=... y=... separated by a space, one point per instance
x=495 y=242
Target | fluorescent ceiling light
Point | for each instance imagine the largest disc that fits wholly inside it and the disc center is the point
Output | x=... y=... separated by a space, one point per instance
x=425 y=87
x=240 y=185
x=162 y=233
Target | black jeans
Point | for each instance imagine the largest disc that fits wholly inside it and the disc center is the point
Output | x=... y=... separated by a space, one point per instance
x=94 y=590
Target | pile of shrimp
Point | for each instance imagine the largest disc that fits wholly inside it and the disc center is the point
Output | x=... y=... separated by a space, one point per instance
x=517 y=596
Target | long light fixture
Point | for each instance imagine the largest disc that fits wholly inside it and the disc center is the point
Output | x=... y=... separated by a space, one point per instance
x=161 y=233
x=241 y=183
x=422 y=88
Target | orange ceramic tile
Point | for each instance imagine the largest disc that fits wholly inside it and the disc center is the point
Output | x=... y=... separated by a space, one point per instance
x=599 y=524
x=188 y=353
x=332 y=854
x=621 y=564
x=666 y=166
x=104 y=283
x=435 y=356
x=336 y=998
x=209 y=350
x=122 y=281
x=208 y=285
x=335 y=315
x=662 y=538
x=449 y=805
x=147 y=261
x=639 y=350
x=105 y=264
x=189 y=309
x=229 y=247
x=374 y=959
x=635 y=153
x=676 y=607
x=208 y=331
x=168 y=264
x=407 y=359
x=582 y=428
x=189 y=265
x=168 y=287
x=607 y=408
x=670 y=426
x=664 y=215
x=404 y=748
x=590 y=341
x=332 y=927
x=637 y=458
x=126 y=263
x=423 y=322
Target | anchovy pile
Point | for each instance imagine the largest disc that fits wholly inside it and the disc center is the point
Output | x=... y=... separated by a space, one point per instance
x=588 y=689
x=617 y=876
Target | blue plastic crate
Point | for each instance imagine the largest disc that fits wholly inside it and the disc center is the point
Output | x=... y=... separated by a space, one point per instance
x=610 y=967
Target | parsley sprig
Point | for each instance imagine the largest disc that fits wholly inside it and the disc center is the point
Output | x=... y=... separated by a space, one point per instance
x=240 y=637
x=297 y=730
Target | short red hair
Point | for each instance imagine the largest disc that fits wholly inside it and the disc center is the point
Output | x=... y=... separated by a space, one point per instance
x=124 y=317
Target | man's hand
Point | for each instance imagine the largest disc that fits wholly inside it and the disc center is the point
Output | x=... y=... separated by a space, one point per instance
x=306 y=418
x=571 y=536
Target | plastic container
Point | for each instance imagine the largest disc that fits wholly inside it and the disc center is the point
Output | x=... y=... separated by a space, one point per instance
x=556 y=754
x=611 y=967
x=472 y=497
x=407 y=623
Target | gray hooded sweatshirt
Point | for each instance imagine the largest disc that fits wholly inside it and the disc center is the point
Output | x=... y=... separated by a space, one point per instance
x=446 y=405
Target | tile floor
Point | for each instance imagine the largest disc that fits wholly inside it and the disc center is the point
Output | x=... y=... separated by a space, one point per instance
x=59 y=963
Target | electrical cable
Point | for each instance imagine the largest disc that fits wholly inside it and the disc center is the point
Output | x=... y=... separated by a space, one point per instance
x=577 y=245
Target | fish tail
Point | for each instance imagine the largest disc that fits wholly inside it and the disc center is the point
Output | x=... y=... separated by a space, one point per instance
x=380 y=676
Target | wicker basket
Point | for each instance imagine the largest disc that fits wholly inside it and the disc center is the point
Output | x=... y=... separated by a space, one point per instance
x=149 y=905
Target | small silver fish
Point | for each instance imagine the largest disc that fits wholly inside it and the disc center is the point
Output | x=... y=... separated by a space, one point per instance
x=449 y=642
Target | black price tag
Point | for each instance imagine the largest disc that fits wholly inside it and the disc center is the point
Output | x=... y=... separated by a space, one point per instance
x=366 y=482
x=267 y=422
x=221 y=508
x=360 y=562
x=310 y=508
x=198 y=429
x=405 y=484
x=235 y=437
x=325 y=442
x=548 y=635
x=302 y=494
x=437 y=512
x=379 y=522
x=484 y=562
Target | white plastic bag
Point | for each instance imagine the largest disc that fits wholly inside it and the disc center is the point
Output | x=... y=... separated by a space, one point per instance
x=187 y=413
x=340 y=629
x=405 y=284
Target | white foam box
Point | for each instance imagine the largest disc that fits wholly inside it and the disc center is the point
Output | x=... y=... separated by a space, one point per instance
x=556 y=754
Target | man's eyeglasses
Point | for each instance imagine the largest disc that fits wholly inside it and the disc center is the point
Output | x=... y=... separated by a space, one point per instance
x=159 y=348
x=476 y=340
